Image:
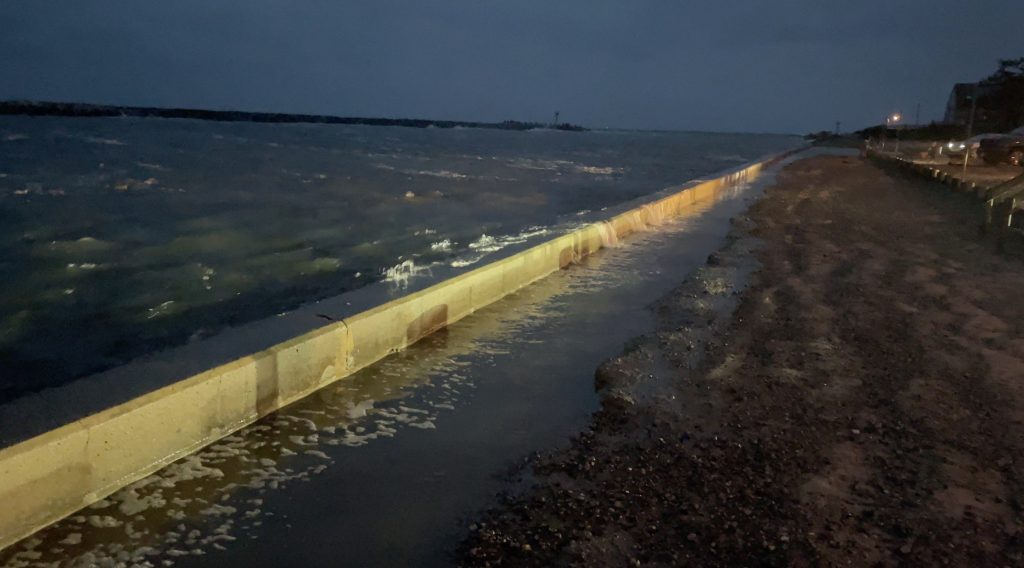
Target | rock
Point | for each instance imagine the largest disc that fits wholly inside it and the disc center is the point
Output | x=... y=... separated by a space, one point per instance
x=616 y=400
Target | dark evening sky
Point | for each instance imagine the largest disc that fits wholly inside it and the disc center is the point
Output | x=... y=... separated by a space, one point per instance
x=783 y=66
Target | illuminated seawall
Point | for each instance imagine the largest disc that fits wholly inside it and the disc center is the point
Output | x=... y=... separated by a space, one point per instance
x=54 y=474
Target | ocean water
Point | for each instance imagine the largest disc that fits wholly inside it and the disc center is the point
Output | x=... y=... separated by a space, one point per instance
x=121 y=237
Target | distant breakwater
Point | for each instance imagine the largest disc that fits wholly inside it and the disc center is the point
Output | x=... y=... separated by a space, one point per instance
x=45 y=108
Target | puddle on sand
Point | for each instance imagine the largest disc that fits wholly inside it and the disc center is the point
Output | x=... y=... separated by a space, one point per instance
x=381 y=468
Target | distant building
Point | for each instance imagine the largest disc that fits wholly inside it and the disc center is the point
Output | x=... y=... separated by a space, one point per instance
x=958 y=108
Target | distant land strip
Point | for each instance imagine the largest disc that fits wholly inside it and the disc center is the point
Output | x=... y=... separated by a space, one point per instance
x=46 y=108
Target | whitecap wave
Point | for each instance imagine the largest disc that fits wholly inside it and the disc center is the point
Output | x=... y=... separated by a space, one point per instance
x=599 y=170
x=443 y=245
x=107 y=141
x=150 y=166
x=464 y=262
x=487 y=244
x=431 y=173
x=442 y=174
x=726 y=157
x=400 y=274
x=531 y=164
x=560 y=166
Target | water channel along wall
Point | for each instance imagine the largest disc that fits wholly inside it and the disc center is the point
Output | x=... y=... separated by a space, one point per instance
x=50 y=476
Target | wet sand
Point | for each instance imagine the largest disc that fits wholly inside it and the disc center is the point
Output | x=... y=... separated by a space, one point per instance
x=843 y=384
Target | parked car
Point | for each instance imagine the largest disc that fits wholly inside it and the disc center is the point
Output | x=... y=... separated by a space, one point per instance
x=1008 y=148
x=956 y=149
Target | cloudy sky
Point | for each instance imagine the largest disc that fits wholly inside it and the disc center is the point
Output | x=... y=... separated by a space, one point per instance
x=779 y=66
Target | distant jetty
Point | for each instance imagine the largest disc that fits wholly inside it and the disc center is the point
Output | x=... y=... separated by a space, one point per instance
x=44 y=108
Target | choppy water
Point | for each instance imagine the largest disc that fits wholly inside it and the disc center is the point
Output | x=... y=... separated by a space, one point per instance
x=124 y=236
x=387 y=467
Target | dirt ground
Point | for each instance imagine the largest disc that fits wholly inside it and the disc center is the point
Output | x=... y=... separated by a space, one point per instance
x=983 y=175
x=842 y=385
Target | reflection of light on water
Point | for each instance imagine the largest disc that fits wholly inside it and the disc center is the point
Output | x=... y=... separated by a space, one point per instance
x=282 y=213
x=208 y=500
x=160 y=310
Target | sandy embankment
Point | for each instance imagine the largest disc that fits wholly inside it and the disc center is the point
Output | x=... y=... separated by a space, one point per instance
x=859 y=402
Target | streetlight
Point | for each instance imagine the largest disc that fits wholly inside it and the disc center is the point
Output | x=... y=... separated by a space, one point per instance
x=892 y=121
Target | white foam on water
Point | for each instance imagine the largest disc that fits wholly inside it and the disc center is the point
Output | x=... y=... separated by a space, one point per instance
x=726 y=157
x=599 y=170
x=38 y=189
x=160 y=310
x=443 y=245
x=400 y=274
x=441 y=174
x=103 y=521
x=487 y=244
x=464 y=262
x=359 y=410
x=150 y=166
x=106 y=141
x=447 y=174
x=72 y=539
x=532 y=164
x=317 y=454
x=222 y=483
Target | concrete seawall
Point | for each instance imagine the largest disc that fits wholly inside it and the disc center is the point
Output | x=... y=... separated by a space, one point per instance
x=1001 y=202
x=55 y=474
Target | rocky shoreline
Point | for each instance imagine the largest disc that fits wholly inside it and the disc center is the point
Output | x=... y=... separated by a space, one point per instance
x=838 y=386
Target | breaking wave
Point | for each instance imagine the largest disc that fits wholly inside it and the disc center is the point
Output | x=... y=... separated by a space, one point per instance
x=487 y=244
x=400 y=274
